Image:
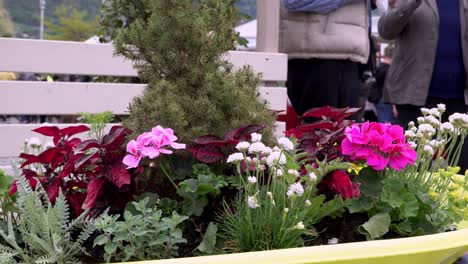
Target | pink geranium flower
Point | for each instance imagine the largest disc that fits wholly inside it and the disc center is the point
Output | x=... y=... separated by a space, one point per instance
x=152 y=145
x=381 y=145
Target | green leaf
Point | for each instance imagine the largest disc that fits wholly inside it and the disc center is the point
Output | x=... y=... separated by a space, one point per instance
x=204 y=189
x=371 y=182
x=362 y=204
x=410 y=205
x=208 y=244
x=391 y=194
x=101 y=240
x=110 y=248
x=377 y=226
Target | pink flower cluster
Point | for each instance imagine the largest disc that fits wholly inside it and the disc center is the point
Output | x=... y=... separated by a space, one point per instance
x=151 y=145
x=379 y=144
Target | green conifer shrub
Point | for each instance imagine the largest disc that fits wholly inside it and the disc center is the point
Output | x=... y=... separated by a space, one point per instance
x=179 y=51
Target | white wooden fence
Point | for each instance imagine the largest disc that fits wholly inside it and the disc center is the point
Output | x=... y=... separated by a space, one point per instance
x=65 y=98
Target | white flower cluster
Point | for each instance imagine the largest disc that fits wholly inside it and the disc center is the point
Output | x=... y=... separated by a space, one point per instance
x=295 y=189
x=426 y=130
x=252 y=202
x=459 y=121
x=286 y=143
x=33 y=142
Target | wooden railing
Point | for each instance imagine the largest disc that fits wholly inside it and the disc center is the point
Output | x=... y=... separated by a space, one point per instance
x=68 y=98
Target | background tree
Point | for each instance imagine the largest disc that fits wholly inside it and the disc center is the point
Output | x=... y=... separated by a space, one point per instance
x=6 y=25
x=71 y=25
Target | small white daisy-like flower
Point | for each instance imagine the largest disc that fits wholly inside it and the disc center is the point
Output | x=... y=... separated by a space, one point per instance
x=276 y=157
x=295 y=189
x=433 y=143
x=26 y=141
x=243 y=146
x=34 y=142
x=447 y=127
x=333 y=241
x=256 y=137
x=411 y=124
x=412 y=145
x=294 y=172
x=441 y=108
x=432 y=120
x=253 y=202
x=279 y=172
x=285 y=143
x=269 y=194
x=286 y=210
x=267 y=150
x=49 y=145
x=420 y=120
x=312 y=176
x=426 y=129
x=409 y=134
x=252 y=179
x=428 y=150
x=308 y=203
x=425 y=111
x=459 y=120
x=276 y=149
x=434 y=112
x=235 y=157
x=256 y=148
x=414 y=129
x=261 y=167
x=440 y=143
x=299 y=226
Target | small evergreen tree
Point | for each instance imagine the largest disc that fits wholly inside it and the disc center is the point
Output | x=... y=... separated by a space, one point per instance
x=178 y=50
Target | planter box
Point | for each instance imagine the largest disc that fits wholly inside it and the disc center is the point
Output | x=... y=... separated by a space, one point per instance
x=442 y=248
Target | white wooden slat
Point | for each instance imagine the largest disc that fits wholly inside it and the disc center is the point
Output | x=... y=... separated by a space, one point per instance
x=64 y=57
x=64 y=98
x=13 y=136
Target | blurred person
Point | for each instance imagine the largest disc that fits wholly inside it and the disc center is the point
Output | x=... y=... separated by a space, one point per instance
x=326 y=42
x=386 y=113
x=431 y=51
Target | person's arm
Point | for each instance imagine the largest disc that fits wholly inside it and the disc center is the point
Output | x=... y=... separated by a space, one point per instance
x=392 y=23
x=316 y=6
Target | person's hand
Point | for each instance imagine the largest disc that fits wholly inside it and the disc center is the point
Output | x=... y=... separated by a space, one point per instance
x=395 y=111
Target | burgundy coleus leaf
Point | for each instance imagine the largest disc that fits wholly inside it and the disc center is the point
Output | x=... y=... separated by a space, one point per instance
x=242 y=133
x=83 y=160
x=210 y=140
x=49 y=155
x=117 y=173
x=115 y=138
x=94 y=189
x=50 y=131
x=297 y=133
x=76 y=200
x=73 y=185
x=29 y=159
x=207 y=154
x=321 y=124
x=320 y=112
x=53 y=189
x=346 y=113
x=73 y=130
x=87 y=144
x=340 y=182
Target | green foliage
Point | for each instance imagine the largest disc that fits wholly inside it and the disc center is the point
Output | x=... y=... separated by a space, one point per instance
x=279 y=209
x=98 y=122
x=71 y=25
x=46 y=230
x=25 y=13
x=376 y=227
x=208 y=244
x=196 y=191
x=7 y=202
x=145 y=235
x=191 y=88
x=6 y=25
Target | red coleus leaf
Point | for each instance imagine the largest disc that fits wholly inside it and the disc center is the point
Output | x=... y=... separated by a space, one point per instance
x=29 y=159
x=72 y=185
x=321 y=124
x=207 y=154
x=49 y=155
x=76 y=200
x=50 y=131
x=242 y=133
x=115 y=138
x=94 y=188
x=117 y=173
x=331 y=113
x=87 y=144
x=210 y=140
x=73 y=130
x=53 y=189
x=340 y=182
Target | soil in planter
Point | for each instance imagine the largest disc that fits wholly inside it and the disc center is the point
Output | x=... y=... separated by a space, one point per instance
x=345 y=229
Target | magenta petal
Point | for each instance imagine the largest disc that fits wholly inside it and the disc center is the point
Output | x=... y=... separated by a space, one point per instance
x=377 y=161
x=151 y=152
x=176 y=145
x=131 y=161
x=132 y=147
x=165 y=151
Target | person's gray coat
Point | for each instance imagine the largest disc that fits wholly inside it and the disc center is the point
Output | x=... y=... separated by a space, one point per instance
x=414 y=25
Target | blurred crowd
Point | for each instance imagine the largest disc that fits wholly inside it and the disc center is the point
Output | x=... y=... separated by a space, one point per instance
x=332 y=57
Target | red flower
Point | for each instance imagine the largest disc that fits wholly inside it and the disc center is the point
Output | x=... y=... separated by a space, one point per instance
x=340 y=182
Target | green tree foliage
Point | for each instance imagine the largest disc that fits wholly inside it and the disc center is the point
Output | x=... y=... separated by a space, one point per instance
x=25 y=13
x=71 y=25
x=191 y=89
x=6 y=25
